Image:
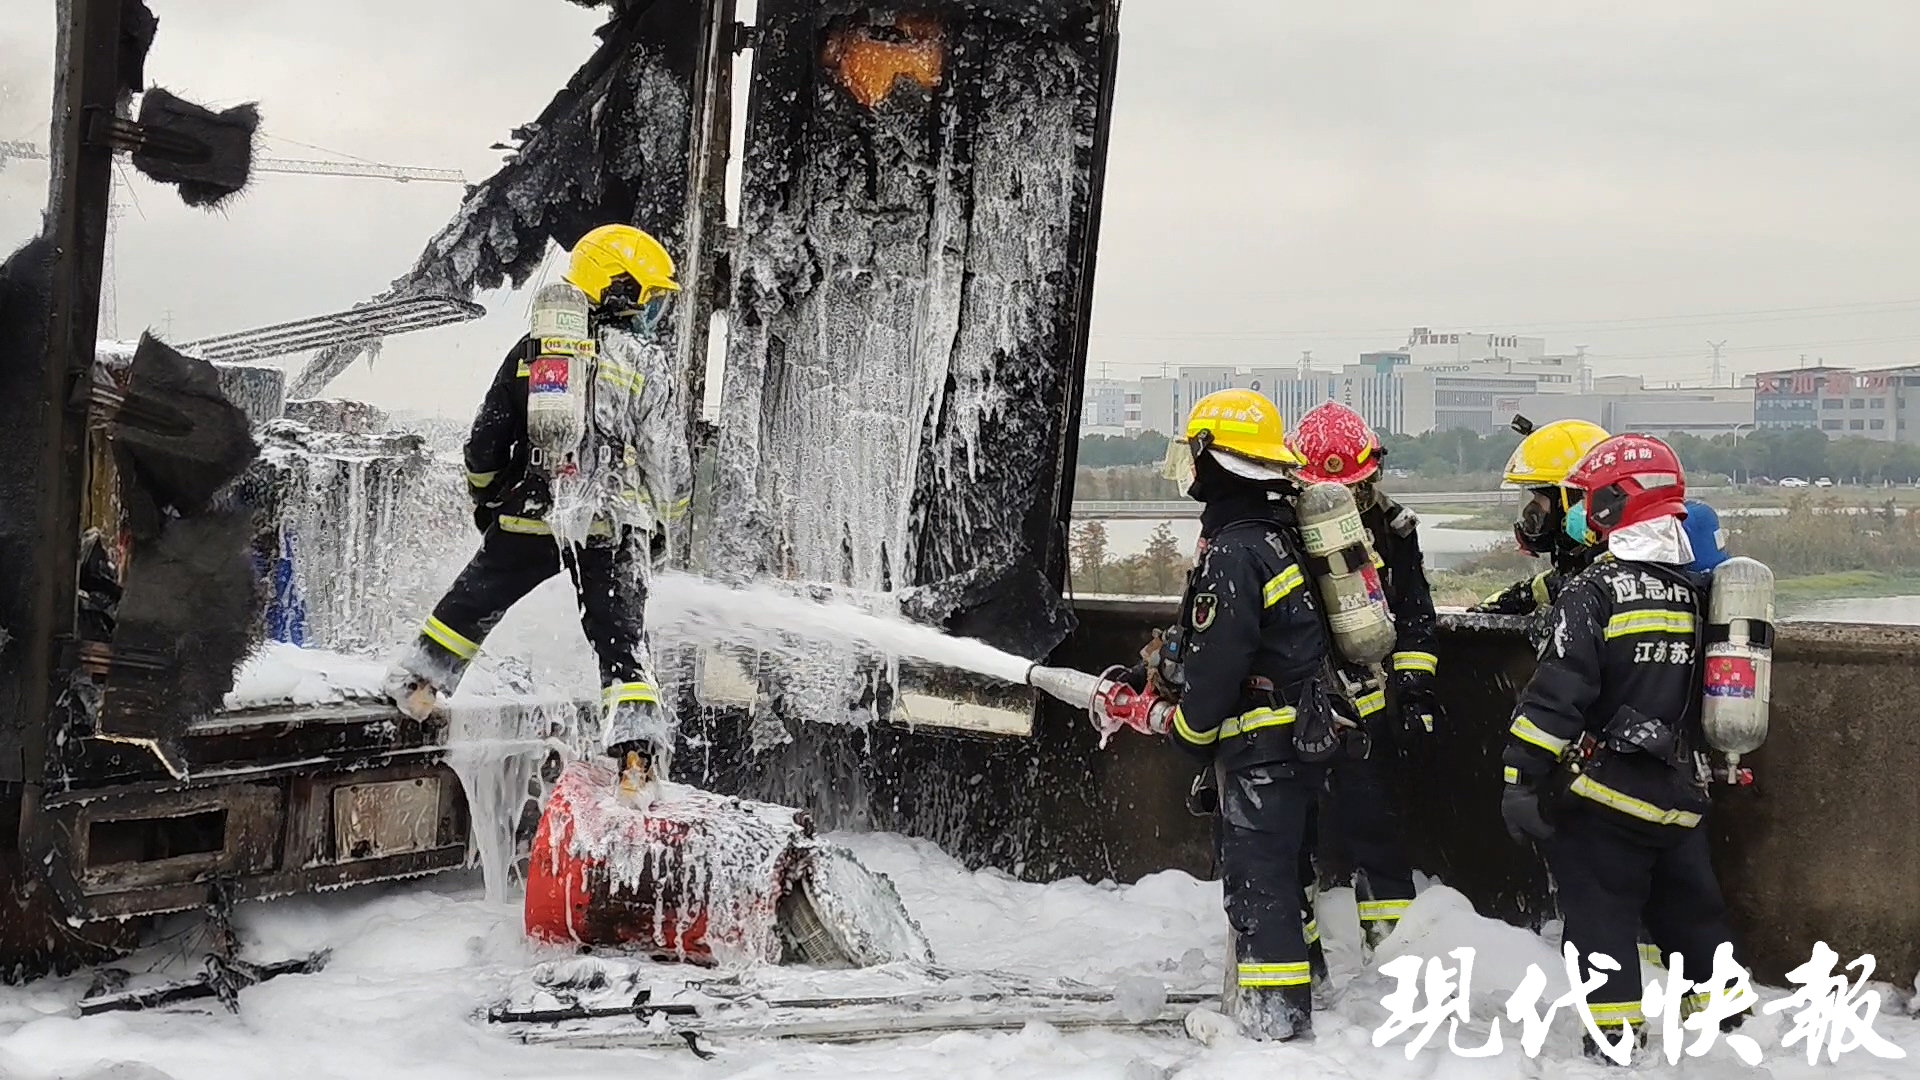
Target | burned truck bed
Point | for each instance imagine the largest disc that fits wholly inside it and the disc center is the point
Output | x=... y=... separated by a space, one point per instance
x=277 y=801
x=906 y=302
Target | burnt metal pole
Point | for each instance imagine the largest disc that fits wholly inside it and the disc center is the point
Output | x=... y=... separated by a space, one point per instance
x=87 y=93
x=1056 y=564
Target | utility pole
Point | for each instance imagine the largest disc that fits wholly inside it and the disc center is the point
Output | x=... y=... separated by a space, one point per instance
x=1716 y=346
x=87 y=88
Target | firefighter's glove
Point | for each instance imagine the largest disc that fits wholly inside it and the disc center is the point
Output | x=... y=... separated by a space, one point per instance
x=1520 y=598
x=1520 y=808
x=1419 y=708
x=1419 y=713
x=484 y=517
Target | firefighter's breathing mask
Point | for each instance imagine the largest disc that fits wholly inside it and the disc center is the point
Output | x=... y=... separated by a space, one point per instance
x=1538 y=520
x=1366 y=494
x=635 y=308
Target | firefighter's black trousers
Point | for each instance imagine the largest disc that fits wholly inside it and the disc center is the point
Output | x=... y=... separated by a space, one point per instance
x=1609 y=874
x=509 y=565
x=1363 y=824
x=1262 y=832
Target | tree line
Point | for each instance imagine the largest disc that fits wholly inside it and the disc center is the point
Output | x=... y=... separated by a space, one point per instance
x=1158 y=570
x=1110 y=451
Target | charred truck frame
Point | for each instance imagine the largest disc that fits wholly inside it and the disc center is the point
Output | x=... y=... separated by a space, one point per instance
x=913 y=269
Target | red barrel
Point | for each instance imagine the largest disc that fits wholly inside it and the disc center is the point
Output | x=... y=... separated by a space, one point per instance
x=693 y=877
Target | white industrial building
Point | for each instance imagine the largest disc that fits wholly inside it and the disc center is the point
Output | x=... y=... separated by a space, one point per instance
x=1442 y=381
x=1623 y=403
x=1103 y=407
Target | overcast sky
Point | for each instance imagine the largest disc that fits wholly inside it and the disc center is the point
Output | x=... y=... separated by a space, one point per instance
x=1640 y=176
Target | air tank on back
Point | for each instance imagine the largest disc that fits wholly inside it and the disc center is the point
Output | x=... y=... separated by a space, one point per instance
x=1738 y=669
x=1340 y=561
x=557 y=376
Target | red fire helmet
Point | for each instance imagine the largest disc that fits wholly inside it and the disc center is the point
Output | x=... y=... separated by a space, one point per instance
x=1335 y=444
x=1630 y=479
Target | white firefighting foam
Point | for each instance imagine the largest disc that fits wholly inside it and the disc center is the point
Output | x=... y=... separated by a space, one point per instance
x=416 y=964
x=507 y=752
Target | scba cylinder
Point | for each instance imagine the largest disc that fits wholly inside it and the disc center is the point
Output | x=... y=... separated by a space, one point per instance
x=557 y=375
x=1341 y=562
x=1738 y=679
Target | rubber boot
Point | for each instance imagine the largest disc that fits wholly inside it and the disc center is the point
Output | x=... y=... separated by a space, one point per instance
x=642 y=728
x=1374 y=933
x=423 y=675
x=1592 y=1051
x=1275 y=1014
x=1324 y=993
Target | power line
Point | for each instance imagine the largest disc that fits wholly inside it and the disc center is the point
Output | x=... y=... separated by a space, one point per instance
x=1766 y=348
x=322 y=149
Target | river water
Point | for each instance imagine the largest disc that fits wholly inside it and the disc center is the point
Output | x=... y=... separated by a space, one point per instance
x=1893 y=610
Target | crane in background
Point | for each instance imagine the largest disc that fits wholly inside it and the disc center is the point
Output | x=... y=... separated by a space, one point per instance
x=31 y=152
x=27 y=151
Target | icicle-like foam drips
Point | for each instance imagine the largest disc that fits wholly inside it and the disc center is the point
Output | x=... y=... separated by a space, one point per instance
x=497 y=749
x=377 y=526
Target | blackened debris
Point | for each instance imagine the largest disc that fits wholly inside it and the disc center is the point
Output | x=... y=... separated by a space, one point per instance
x=220 y=168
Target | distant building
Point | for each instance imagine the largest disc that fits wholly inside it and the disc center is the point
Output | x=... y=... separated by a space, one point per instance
x=1161 y=408
x=1893 y=403
x=1790 y=398
x=1483 y=403
x=1197 y=382
x=1103 y=407
x=1480 y=381
x=1428 y=348
x=1873 y=403
x=1391 y=400
x=1622 y=403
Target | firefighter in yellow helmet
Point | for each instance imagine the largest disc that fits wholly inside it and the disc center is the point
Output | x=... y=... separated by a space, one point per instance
x=1247 y=663
x=625 y=479
x=1539 y=467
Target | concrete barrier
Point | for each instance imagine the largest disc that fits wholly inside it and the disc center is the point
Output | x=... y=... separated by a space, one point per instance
x=1824 y=847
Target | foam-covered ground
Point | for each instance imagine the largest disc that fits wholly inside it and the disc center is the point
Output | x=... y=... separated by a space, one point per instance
x=414 y=964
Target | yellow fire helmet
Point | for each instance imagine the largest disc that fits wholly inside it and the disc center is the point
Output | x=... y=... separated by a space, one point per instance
x=1546 y=457
x=607 y=253
x=1242 y=425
